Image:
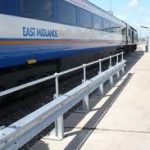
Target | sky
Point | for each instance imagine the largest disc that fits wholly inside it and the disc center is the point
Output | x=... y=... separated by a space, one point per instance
x=134 y=12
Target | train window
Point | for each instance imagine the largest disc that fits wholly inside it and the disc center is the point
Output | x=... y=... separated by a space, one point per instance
x=124 y=31
x=106 y=25
x=98 y=22
x=116 y=28
x=84 y=18
x=39 y=9
x=3 y=6
x=112 y=27
x=66 y=13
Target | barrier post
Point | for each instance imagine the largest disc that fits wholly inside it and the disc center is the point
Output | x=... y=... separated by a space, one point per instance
x=58 y=132
x=85 y=101
x=101 y=89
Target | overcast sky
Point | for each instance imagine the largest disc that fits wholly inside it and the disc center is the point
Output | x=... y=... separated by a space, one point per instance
x=135 y=12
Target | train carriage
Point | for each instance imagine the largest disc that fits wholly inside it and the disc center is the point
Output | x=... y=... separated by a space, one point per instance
x=39 y=37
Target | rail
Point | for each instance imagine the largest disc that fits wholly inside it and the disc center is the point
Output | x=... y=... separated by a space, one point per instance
x=24 y=130
x=57 y=75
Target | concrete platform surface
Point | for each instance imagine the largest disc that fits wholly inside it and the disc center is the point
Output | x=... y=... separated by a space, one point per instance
x=119 y=121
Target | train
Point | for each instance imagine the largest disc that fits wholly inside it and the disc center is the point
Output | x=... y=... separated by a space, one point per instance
x=41 y=37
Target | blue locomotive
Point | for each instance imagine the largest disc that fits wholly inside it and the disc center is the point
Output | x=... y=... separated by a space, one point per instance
x=51 y=35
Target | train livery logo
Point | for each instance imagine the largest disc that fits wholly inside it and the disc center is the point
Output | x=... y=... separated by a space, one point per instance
x=39 y=32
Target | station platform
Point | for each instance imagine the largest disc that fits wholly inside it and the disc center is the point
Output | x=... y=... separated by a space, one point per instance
x=119 y=121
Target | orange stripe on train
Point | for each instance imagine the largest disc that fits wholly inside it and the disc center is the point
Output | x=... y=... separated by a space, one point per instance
x=25 y=42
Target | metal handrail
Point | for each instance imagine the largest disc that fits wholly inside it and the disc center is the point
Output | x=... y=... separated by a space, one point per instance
x=57 y=75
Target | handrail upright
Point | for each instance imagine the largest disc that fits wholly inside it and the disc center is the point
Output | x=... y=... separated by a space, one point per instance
x=100 y=65
x=56 y=85
x=110 y=59
x=84 y=72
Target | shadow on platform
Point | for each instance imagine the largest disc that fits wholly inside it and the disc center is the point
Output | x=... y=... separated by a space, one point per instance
x=41 y=145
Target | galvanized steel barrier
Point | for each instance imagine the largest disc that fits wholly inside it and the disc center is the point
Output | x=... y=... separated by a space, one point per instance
x=22 y=131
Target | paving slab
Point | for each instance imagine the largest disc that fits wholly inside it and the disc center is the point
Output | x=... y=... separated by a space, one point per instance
x=119 y=121
x=117 y=140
